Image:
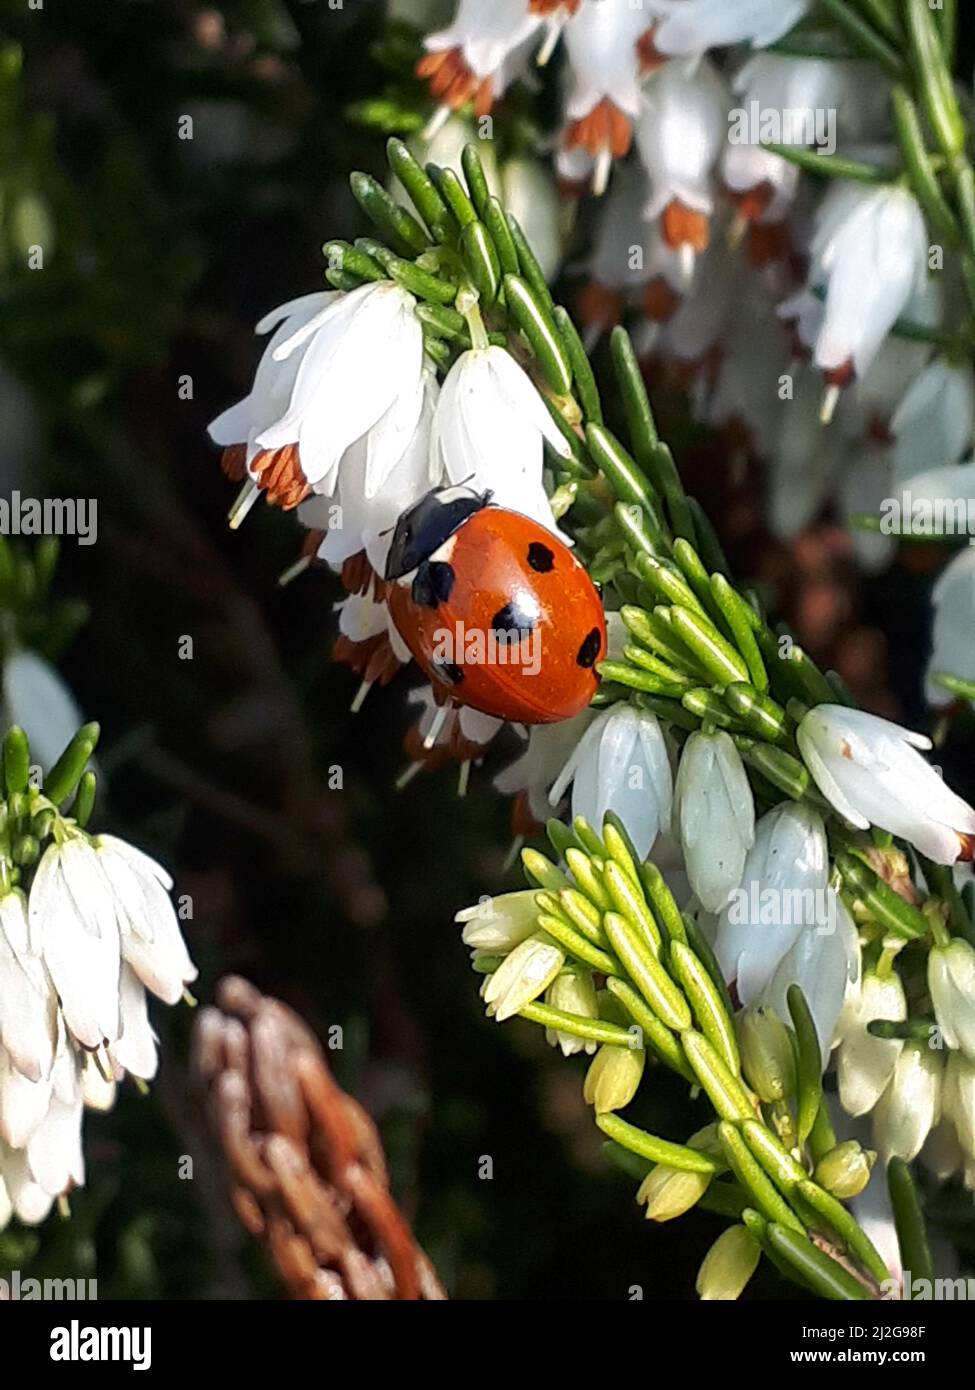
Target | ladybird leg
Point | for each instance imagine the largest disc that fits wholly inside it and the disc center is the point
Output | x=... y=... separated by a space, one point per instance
x=464 y=777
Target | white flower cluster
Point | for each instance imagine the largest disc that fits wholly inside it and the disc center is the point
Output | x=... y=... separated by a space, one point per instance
x=77 y=954
x=771 y=295
x=763 y=894
x=346 y=420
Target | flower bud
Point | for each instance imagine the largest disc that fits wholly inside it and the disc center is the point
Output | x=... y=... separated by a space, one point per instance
x=523 y=975
x=766 y=1055
x=573 y=992
x=669 y=1192
x=728 y=1266
x=613 y=1077
x=951 y=981
x=845 y=1170
x=500 y=923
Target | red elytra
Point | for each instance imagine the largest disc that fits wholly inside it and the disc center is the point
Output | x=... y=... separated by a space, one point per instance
x=497 y=612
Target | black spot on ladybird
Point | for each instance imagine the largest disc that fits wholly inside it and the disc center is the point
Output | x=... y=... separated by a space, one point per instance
x=589 y=649
x=433 y=583
x=540 y=558
x=510 y=623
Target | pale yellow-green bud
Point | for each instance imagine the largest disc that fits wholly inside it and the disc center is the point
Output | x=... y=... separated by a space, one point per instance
x=613 y=1077
x=669 y=1192
x=573 y=992
x=845 y=1170
x=766 y=1055
x=728 y=1266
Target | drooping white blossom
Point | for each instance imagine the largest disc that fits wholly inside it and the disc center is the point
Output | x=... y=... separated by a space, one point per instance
x=870 y=772
x=621 y=764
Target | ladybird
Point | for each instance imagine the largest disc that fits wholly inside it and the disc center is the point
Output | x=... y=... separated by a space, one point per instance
x=496 y=610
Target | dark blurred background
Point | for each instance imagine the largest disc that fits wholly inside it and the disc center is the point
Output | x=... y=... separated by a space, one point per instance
x=339 y=901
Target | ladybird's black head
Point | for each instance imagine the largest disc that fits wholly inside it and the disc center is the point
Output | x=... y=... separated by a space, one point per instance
x=427 y=524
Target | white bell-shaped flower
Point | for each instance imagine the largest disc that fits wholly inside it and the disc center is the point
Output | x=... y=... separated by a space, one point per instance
x=604 y=97
x=533 y=773
x=151 y=941
x=73 y=926
x=865 y=1064
x=783 y=892
x=825 y=964
x=470 y=59
x=237 y=428
x=681 y=133
x=488 y=429
x=714 y=816
x=911 y=1105
x=357 y=518
x=951 y=984
x=621 y=764
x=870 y=253
x=28 y=1005
x=361 y=371
x=870 y=772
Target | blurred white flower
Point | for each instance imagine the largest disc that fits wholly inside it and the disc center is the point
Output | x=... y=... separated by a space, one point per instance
x=692 y=26
x=529 y=193
x=933 y=424
x=952 y=648
x=870 y=253
x=604 y=97
x=469 y=61
x=37 y=699
x=682 y=130
x=870 y=772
